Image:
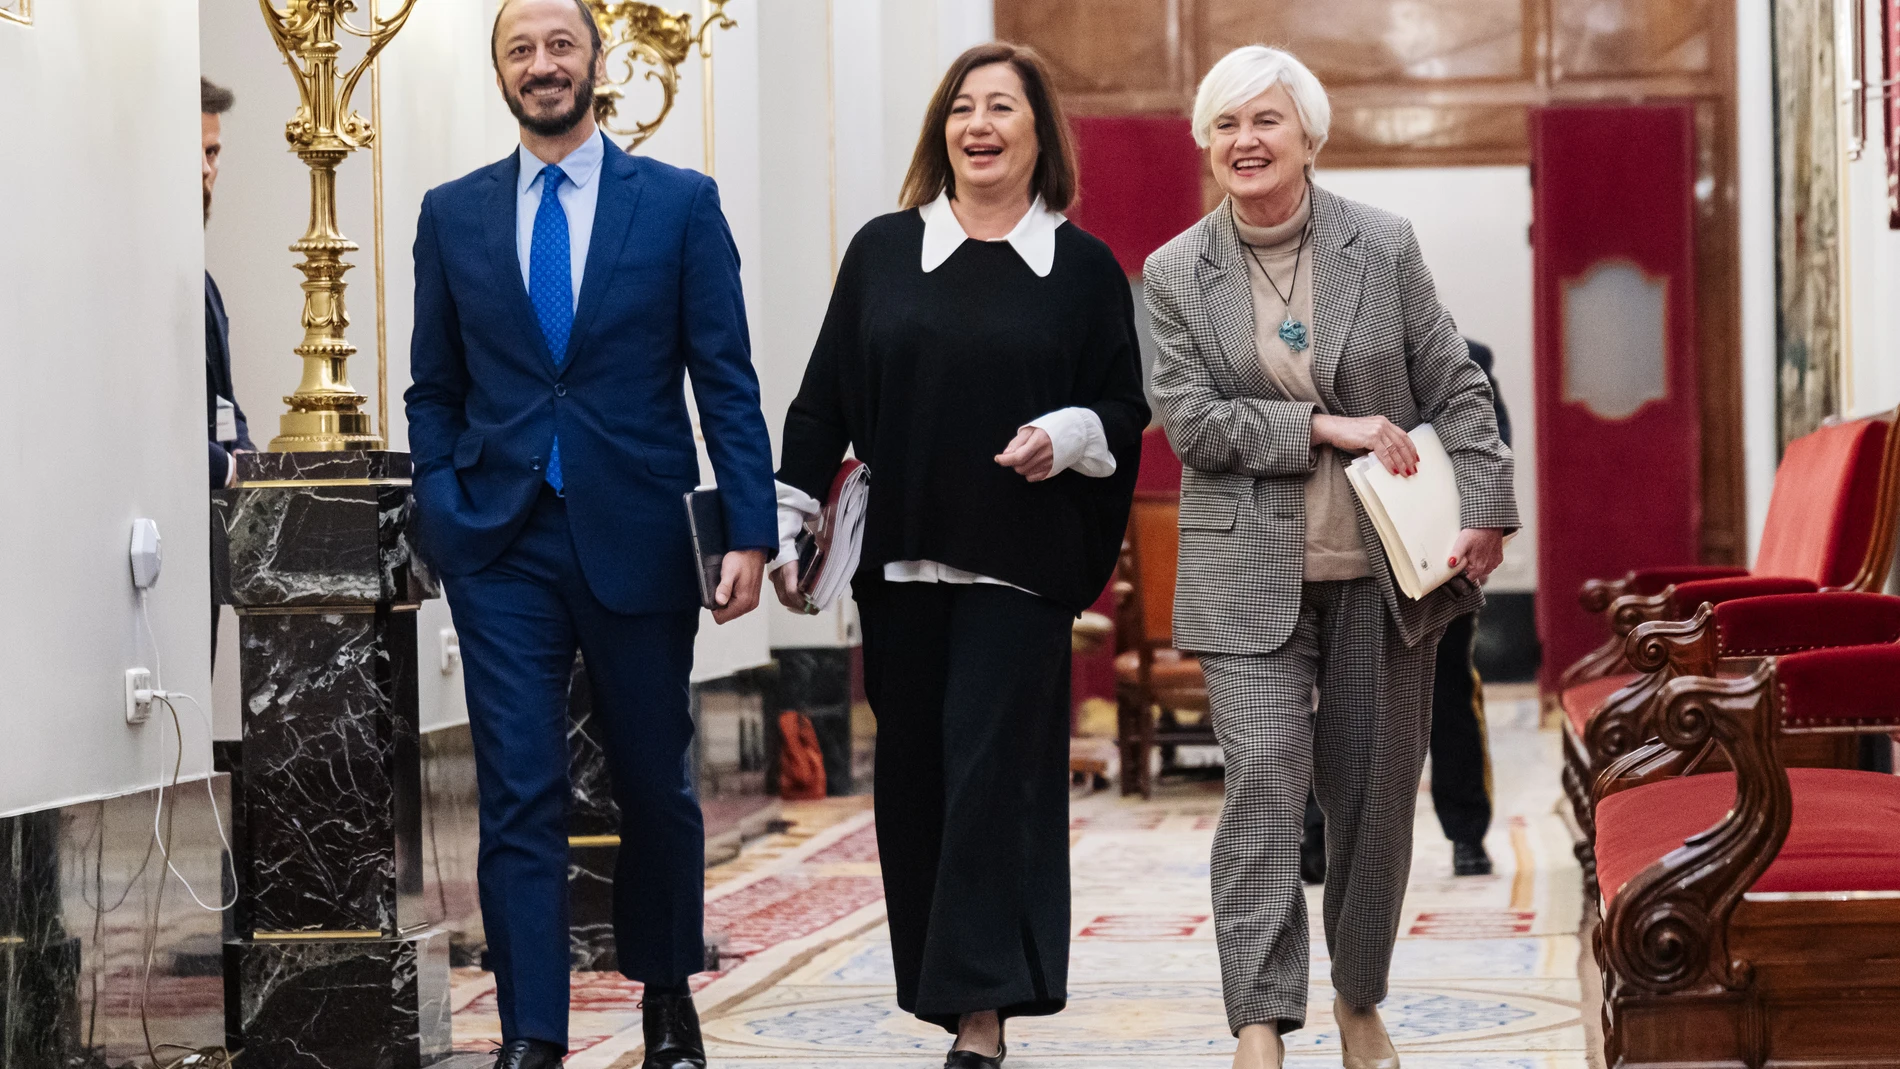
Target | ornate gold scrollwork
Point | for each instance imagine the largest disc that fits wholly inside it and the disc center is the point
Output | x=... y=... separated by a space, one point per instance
x=636 y=35
x=20 y=11
x=325 y=411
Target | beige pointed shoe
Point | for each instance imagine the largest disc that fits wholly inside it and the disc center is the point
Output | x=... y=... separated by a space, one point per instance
x=1362 y=1038
x=1260 y=1048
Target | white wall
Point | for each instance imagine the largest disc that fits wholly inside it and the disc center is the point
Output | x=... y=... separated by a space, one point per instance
x=101 y=333
x=1872 y=382
x=1755 y=119
x=1473 y=225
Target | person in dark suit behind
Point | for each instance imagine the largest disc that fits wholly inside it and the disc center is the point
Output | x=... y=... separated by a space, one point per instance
x=226 y=430
x=229 y=433
x=562 y=295
x=1461 y=761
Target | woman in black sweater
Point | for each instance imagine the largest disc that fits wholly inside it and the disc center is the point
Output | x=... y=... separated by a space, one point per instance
x=980 y=356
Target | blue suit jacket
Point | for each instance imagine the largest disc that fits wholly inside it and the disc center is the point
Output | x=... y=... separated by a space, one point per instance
x=660 y=296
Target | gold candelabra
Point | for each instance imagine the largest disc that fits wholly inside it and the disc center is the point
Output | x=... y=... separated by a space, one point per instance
x=326 y=411
x=634 y=33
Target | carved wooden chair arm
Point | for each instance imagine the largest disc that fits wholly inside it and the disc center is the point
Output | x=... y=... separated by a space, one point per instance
x=1597 y=594
x=1663 y=650
x=1651 y=762
x=1668 y=926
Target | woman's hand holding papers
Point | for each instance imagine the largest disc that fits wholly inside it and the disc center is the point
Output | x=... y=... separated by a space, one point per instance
x=1368 y=434
x=785 y=582
x=1482 y=550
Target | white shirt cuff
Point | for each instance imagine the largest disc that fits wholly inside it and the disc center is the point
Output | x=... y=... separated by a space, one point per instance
x=1079 y=440
x=795 y=506
x=230 y=469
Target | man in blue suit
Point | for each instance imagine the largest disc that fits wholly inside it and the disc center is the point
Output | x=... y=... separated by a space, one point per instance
x=562 y=294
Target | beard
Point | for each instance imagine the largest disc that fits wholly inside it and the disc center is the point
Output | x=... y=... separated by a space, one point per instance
x=207 y=205
x=551 y=125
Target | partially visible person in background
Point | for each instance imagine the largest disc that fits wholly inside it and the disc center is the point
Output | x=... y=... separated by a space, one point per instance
x=225 y=428
x=1461 y=761
x=229 y=434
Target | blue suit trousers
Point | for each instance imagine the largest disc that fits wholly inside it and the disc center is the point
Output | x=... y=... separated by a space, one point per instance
x=520 y=620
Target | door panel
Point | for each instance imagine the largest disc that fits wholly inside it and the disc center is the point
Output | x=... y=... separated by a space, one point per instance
x=1619 y=445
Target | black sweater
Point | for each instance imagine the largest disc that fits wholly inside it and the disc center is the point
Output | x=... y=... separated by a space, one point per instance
x=928 y=376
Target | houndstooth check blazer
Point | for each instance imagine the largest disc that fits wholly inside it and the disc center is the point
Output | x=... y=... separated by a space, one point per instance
x=1382 y=345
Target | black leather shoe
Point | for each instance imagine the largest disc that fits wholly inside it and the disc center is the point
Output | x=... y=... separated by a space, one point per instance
x=529 y=1054
x=969 y=1059
x=671 y=1026
x=1470 y=859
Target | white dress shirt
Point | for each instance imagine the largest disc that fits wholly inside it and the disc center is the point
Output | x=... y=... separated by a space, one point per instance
x=578 y=196
x=1075 y=433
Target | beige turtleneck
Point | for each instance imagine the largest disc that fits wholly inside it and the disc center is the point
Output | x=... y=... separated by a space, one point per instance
x=1333 y=547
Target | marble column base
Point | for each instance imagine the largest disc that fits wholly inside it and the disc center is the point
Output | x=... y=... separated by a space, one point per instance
x=338 y=1003
x=40 y=1003
x=590 y=893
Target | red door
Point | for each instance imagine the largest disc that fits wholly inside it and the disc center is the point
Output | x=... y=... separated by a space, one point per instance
x=1618 y=455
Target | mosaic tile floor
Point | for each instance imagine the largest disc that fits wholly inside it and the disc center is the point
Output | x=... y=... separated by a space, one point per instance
x=1485 y=976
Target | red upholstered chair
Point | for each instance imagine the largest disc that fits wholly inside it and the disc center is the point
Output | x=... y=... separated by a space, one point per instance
x=1830 y=526
x=1753 y=917
x=1152 y=678
x=1160 y=469
x=1727 y=639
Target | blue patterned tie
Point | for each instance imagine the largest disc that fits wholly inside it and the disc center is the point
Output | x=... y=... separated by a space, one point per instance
x=551 y=285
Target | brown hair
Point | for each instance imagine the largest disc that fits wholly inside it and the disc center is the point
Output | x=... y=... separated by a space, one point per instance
x=214 y=99
x=1054 y=178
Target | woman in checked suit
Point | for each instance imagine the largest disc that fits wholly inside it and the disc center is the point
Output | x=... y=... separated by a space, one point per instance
x=1297 y=330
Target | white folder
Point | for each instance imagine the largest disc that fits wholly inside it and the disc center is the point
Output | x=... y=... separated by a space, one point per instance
x=1417 y=516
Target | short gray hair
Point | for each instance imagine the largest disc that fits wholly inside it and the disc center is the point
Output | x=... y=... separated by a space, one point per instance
x=1251 y=70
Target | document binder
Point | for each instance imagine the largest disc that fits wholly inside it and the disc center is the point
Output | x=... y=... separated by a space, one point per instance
x=1417 y=516
x=833 y=541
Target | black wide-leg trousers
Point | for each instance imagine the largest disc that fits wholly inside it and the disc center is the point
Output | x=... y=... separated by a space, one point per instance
x=970 y=684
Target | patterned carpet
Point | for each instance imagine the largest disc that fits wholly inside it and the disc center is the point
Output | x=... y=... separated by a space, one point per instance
x=1485 y=976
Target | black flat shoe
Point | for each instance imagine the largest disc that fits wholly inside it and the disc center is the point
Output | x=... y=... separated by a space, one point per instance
x=529 y=1054
x=969 y=1059
x=671 y=1026
x=1470 y=859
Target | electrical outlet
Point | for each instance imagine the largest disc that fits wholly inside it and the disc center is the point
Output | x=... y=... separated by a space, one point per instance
x=451 y=651
x=136 y=680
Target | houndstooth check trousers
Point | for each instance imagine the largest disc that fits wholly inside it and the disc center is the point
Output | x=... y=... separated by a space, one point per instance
x=1362 y=751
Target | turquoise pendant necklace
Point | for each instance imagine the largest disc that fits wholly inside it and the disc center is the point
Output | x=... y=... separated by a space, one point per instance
x=1292 y=331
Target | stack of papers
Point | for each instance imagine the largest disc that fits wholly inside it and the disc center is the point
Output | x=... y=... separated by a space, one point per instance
x=1417 y=516
x=833 y=542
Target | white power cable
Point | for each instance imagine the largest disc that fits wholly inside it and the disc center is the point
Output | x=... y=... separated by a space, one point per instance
x=217 y=819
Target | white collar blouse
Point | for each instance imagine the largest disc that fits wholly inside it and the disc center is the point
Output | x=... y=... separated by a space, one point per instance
x=1033 y=238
